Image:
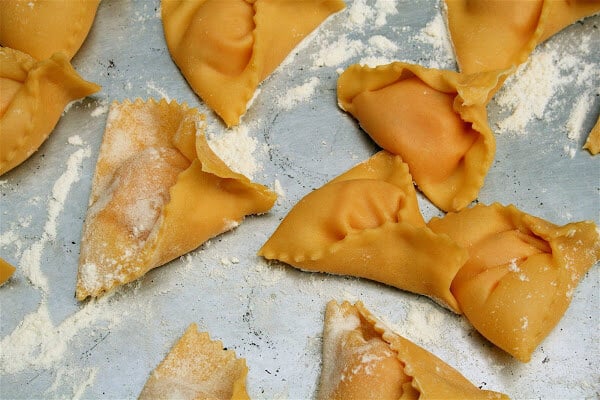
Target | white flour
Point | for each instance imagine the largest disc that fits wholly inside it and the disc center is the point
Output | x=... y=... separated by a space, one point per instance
x=100 y=110
x=153 y=88
x=37 y=343
x=30 y=262
x=338 y=52
x=298 y=94
x=236 y=148
x=577 y=118
x=437 y=36
x=528 y=93
x=279 y=189
x=377 y=49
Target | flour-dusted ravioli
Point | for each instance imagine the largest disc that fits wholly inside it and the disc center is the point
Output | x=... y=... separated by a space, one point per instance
x=435 y=120
x=364 y=359
x=225 y=49
x=367 y=223
x=33 y=95
x=521 y=271
x=498 y=34
x=592 y=143
x=198 y=368
x=158 y=192
x=41 y=28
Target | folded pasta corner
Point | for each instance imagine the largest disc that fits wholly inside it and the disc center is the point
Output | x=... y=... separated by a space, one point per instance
x=33 y=95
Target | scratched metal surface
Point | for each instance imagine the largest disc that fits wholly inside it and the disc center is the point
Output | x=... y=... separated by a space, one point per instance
x=272 y=315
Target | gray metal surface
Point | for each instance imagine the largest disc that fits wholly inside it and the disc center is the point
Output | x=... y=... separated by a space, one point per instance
x=272 y=314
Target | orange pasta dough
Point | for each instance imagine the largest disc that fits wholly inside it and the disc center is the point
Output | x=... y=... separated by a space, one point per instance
x=521 y=271
x=592 y=143
x=158 y=192
x=225 y=66
x=562 y=13
x=33 y=95
x=6 y=271
x=41 y=28
x=366 y=223
x=198 y=368
x=435 y=120
x=363 y=359
x=498 y=34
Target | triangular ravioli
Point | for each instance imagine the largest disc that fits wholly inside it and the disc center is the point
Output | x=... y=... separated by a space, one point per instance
x=363 y=359
x=499 y=34
x=225 y=66
x=521 y=272
x=158 y=192
x=367 y=223
x=198 y=368
x=41 y=28
x=33 y=95
x=435 y=120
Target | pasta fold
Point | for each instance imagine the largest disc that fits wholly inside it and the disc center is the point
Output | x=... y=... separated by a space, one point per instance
x=592 y=143
x=521 y=272
x=33 y=95
x=6 y=271
x=158 y=192
x=41 y=28
x=367 y=223
x=364 y=359
x=499 y=34
x=435 y=120
x=225 y=66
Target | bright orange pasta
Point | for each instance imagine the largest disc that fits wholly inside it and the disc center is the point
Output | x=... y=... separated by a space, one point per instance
x=41 y=28
x=499 y=34
x=592 y=143
x=225 y=66
x=435 y=120
x=33 y=95
x=366 y=223
x=521 y=272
